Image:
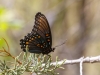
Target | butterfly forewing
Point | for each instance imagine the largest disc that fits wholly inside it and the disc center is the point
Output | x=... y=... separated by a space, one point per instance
x=39 y=40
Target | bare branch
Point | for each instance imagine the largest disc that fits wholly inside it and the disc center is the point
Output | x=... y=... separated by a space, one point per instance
x=77 y=61
x=81 y=67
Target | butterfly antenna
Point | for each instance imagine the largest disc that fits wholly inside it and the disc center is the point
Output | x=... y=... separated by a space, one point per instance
x=60 y=44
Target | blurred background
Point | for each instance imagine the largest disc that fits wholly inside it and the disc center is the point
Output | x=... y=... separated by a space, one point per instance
x=77 y=21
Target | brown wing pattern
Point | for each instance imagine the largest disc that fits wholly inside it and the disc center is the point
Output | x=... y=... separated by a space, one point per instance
x=42 y=26
x=39 y=40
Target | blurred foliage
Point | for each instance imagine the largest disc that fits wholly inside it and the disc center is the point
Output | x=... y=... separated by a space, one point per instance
x=33 y=63
x=6 y=20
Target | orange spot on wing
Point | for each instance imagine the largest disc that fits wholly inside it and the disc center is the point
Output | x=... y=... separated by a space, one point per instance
x=27 y=42
x=35 y=37
x=38 y=45
x=32 y=38
x=39 y=20
x=41 y=46
x=47 y=34
x=38 y=36
x=48 y=40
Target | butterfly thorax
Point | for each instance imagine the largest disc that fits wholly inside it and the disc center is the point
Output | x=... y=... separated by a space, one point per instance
x=48 y=50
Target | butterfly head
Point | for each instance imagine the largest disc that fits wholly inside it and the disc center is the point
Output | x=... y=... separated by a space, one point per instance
x=53 y=49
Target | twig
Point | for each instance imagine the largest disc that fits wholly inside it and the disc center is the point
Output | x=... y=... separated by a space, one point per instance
x=77 y=61
x=81 y=67
x=8 y=54
x=6 y=44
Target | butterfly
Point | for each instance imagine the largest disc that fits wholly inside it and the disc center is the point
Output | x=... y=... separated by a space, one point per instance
x=39 y=40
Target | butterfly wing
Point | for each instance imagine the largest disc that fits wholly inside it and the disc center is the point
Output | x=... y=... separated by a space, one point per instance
x=40 y=39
